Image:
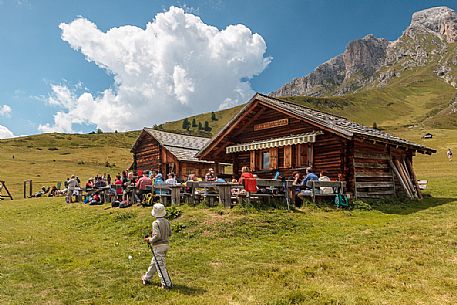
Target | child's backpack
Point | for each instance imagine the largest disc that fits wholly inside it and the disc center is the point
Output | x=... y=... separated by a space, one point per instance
x=341 y=201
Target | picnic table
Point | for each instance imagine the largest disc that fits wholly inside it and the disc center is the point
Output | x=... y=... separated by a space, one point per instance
x=223 y=191
x=314 y=187
x=90 y=191
x=166 y=192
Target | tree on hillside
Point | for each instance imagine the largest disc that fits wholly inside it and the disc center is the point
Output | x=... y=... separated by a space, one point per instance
x=185 y=124
x=99 y=131
x=200 y=126
x=213 y=117
x=206 y=127
x=194 y=123
x=375 y=125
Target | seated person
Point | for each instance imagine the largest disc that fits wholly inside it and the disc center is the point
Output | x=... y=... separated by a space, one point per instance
x=42 y=192
x=309 y=177
x=210 y=176
x=297 y=180
x=248 y=180
x=171 y=179
x=119 y=188
x=53 y=191
x=96 y=199
x=142 y=183
x=90 y=183
x=100 y=183
x=325 y=189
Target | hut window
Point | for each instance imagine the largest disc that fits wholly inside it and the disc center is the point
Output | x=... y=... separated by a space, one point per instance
x=266 y=160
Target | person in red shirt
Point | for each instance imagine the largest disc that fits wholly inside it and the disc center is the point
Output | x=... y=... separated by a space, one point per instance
x=248 y=180
x=142 y=183
x=118 y=185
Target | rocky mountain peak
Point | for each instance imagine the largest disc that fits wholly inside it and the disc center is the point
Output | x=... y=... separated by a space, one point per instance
x=372 y=61
x=439 y=20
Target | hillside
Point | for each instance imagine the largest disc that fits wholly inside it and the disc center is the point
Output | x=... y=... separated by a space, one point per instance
x=49 y=158
x=416 y=98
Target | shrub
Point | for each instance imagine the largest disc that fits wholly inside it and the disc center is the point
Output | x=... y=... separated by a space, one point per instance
x=361 y=205
x=173 y=212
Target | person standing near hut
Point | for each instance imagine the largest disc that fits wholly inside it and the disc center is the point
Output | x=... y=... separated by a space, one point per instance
x=449 y=154
x=159 y=241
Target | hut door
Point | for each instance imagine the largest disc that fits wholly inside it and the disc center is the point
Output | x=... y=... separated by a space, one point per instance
x=288 y=156
x=310 y=160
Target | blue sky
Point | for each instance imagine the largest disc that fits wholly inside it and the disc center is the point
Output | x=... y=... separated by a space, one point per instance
x=299 y=35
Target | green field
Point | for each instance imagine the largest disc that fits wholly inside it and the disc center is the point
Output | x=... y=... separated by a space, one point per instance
x=53 y=253
x=49 y=158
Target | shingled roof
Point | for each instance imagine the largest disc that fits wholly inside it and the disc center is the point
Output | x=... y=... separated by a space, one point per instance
x=183 y=147
x=333 y=123
x=177 y=140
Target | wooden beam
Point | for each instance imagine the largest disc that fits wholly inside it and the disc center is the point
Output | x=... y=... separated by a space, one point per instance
x=375 y=184
x=413 y=174
x=371 y=165
x=373 y=156
x=373 y=175
x=400 y=178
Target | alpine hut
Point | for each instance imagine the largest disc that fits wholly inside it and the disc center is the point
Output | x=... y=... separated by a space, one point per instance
x=270 y=135
x=169 y=152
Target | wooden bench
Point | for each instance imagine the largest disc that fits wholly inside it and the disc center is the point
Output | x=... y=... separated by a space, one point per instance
x=167 y=192
x=271 y=187
x=314 y=187
x=211 y=191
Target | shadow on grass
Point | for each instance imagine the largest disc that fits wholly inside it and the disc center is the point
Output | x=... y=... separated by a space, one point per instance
x=405 y=207
x=187 y=290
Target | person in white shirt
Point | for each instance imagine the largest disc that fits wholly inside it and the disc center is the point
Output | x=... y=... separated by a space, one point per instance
x=72 y=189
x=171 y=179
x=325 y=189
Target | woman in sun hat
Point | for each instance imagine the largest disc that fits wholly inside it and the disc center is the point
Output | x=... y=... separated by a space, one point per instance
x=161 y=232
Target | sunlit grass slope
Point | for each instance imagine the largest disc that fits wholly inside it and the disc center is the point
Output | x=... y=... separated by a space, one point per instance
x=397 y=253
x=48 y=158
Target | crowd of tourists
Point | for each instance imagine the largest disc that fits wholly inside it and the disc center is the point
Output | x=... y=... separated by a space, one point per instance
x=130 y=187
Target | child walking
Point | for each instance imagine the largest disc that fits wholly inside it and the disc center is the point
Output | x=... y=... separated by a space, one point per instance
x=161 y=232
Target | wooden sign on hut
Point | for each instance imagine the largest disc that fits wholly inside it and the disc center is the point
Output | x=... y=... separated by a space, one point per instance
x=270 y=134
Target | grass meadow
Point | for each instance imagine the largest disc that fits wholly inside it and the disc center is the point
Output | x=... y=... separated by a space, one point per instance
x=390 y=252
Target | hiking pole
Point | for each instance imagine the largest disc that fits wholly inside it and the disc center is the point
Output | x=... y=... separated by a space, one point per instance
x=158 y=266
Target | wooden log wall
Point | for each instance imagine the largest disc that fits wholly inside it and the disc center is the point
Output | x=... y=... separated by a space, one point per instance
x=147 y=153
x=327 y=154
x=373 y=176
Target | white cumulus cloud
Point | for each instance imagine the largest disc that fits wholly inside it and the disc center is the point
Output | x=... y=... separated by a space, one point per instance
x=176 y=66
x=5 y=133
x=5 y=110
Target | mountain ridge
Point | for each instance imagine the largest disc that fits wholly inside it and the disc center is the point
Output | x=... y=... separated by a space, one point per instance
x=372 y=61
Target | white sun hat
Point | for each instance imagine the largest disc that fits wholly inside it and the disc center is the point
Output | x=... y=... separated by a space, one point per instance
x=158 y=210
